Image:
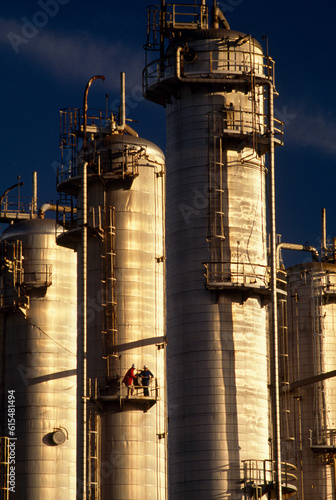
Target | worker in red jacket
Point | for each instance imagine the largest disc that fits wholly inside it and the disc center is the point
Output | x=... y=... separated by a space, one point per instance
x=129 y=380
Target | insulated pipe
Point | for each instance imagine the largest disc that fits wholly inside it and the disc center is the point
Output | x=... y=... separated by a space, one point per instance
x=122 y=111
x=130 y=131
x=9 y=189
x=274 y=329
x=84 y=326
x=34 y=204
x=324 y=231
x=212 y=80
x=83 y=429
x=300 y=248
x=218 y=17
x=52 y=207
x=85 y=105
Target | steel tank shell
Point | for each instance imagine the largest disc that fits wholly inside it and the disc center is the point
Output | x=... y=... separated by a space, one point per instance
x=39 y=363
x=133 y=458
x=312 y=350
x=217 y=339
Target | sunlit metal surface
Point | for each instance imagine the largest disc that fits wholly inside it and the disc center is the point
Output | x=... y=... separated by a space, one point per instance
x=312 y=352
x=217 y=274
x=126 y=315
x=38 y=360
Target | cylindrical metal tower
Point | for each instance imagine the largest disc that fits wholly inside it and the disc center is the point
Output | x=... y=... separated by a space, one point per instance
x=312 y=371
x=214 y=83
x=38 y=362
x=126 y=434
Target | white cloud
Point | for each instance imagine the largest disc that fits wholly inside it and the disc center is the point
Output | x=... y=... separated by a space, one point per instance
x=74 y=56
x=316 y=130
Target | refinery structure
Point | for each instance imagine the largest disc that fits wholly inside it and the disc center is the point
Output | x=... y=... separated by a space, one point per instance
x=169 y=261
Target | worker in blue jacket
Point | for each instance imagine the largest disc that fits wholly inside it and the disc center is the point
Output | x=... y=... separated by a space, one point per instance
x=146 y=377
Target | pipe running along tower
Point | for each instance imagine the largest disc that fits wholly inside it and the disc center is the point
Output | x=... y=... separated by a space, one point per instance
x=117 y=181
x=217 y=87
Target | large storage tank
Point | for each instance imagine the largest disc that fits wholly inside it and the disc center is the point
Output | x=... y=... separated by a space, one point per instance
x=214 y=82
x=38 y=362
x=312 y=365
x=126 y=436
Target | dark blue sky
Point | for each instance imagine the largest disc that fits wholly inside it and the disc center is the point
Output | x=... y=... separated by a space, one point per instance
x=50 y=48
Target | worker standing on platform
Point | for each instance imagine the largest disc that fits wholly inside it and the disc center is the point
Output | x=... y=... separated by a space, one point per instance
x=128 y=380
x=146 y=376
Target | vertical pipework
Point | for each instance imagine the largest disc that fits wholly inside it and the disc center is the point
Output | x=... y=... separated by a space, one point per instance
x=324 y=230
x=84 y=325
x=122 y=117
x=34 y=204
x=85 y=104
x=84 y=285
x=214 y=21
x=275 y=360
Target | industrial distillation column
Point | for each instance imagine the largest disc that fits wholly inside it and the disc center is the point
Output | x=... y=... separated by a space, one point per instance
x=213 y=84
x=38 y=305
x=125 y=454
x=312 y=371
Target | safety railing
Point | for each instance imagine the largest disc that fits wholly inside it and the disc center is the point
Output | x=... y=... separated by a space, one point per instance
x=141 y=391
x=72 y=125
x=325 y=439
x=230 y=273
x=216 y=64
x=173 y=16
x=259 y=476
x=72 y=122
x=185 y=16
x=121 y=164
x=12 y=207
x=115 y=391
x=237 y=121
x=37 y=276
x=11 y=276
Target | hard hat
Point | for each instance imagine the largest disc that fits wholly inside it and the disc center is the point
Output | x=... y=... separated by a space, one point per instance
x=145 y=366
x=133 y=366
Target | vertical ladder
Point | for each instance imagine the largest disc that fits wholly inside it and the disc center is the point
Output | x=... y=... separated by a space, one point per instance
x=286 y=431
x=93 y=455
x=65 y=213
x=11 y=275
x=216 y=194
x=109 y=293
x=317 y=318
x=4 y=468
